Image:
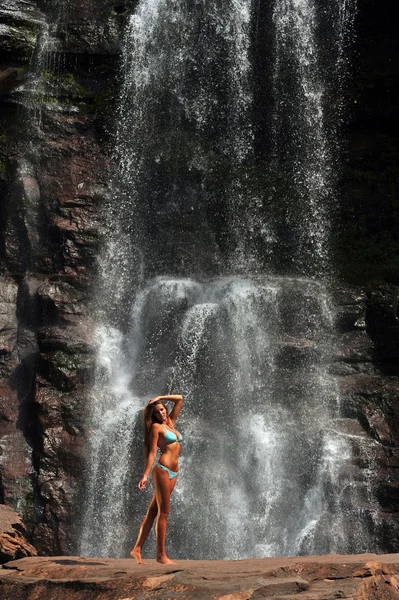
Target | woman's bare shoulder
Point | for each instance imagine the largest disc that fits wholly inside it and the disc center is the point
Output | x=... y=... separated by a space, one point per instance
x=156 y=427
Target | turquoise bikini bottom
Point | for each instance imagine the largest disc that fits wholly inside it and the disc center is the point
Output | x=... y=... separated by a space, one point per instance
x=169 y=472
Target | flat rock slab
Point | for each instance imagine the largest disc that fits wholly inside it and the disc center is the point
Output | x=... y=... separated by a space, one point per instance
x=362 y=577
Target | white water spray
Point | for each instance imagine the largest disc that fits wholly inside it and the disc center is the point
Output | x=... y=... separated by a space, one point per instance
x=250 y=353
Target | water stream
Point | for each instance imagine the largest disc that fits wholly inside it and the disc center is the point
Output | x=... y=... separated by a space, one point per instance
x=185 y=307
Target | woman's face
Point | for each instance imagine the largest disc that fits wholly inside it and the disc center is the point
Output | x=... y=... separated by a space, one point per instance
x=160 y=413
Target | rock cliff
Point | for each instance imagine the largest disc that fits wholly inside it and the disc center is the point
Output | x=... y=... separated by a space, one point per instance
x=58 y=75
x=53 y=179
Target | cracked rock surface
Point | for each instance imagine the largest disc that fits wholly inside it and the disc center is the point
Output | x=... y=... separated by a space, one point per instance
x=361 y=577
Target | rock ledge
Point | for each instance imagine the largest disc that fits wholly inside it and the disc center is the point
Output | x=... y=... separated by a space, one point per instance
x=361 y=577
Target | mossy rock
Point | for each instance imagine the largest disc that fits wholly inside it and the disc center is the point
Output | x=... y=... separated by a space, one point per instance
x=20 y=41
x=71 y=362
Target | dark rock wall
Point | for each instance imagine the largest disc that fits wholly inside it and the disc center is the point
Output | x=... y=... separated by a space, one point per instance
x=54 y=171
x=53 y=178
x=367 y=254
x=367 y=368
x=368 y=227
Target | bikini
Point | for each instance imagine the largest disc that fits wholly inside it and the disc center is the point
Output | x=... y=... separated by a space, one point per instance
x=170 y=438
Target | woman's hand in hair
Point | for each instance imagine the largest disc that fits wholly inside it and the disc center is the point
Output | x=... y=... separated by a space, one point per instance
x=154 y=400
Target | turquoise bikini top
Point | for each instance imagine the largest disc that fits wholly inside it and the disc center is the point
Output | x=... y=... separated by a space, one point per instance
x=171 y=437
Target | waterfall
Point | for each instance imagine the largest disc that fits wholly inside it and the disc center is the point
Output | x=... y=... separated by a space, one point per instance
x=309 y=164
x=183 y=119
x=185 y=306
x=45 y=74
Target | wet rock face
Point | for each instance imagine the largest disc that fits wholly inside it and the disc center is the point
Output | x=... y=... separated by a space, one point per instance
x=367 y=370
x=51 y=238
x=16 y=453
x=54 y=179
x=19 y=21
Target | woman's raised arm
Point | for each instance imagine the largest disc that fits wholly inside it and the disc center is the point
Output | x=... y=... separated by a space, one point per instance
x=177 y=400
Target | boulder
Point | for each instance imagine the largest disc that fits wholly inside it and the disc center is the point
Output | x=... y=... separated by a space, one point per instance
x=13 y=542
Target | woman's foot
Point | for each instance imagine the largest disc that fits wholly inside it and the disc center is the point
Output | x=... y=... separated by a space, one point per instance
x=164 y=560
x=136 y=553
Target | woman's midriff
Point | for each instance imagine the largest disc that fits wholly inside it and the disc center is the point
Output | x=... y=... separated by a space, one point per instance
x=169 y=458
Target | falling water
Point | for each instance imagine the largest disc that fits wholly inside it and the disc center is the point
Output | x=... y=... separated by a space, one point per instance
x=185 y=307
x=48 y=61
x=183 y=117
x=48 y=78
x=215 y=341
x=299 y=97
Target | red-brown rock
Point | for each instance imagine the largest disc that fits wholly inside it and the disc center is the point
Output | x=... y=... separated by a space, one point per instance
x=361 y=577
x=13 y=543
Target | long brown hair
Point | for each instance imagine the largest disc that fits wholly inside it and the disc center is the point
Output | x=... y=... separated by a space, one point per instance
x=149 y=419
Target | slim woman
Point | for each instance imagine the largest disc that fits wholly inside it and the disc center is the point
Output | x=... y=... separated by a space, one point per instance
x=159 y=432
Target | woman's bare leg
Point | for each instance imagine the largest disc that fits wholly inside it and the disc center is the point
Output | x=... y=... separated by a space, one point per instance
x=145 y=530
x=163 y=489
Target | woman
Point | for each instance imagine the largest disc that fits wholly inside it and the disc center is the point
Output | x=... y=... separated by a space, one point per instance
x=159 y=432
